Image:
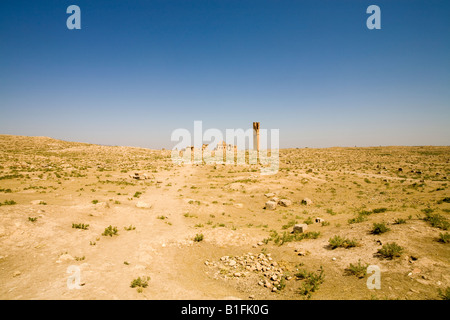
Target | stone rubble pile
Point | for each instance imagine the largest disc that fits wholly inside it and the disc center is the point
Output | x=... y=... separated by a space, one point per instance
x=269 y=271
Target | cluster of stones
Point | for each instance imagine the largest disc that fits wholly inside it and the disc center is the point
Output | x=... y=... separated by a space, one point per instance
x=262 y=264
x=274 y=201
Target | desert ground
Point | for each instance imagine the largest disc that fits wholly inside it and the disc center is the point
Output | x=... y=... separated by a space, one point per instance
x=205 y=231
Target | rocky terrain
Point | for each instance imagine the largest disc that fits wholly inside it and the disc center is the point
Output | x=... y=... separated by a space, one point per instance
x=127 y=223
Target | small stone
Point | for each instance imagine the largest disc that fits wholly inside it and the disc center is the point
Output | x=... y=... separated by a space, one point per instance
x=232 y=263
x=238 y=205
x=237 y=274
x=319 y=220
x=260 y=243
x=251 y=296
x=285 y=202
x=270 y=205
x=269 y=195
x=307 y=202
x=334 y=259
x=66 y=257
x=274 y=289
x=142 y=204
x=300 y=228
x=16 y=273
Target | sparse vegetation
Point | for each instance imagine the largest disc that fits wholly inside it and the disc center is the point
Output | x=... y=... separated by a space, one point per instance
x=110 y=231
x=399 y=221
x=80 y=226
x=379 y=228
x=8 y=203
x=390 y=250
x=339 y=242
x=140 y=283
x=444 y=237
x=198 y=237
x=444 y=294
x=311 y=281
x=359 y=270
x=436 y=220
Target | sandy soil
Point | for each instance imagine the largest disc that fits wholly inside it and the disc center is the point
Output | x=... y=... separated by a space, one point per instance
x=47 y=186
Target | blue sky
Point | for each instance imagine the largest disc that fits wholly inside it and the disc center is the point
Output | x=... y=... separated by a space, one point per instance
x=137 y=70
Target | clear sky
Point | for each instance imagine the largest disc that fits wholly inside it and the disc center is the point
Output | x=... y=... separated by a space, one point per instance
x=137 y=70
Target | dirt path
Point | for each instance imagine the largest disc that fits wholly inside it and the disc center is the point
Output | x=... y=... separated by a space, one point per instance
x=39 y=254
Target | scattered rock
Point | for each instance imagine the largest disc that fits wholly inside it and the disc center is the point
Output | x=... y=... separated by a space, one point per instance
x=65 y=257
x=142 y=204
x=300 y=227
x=285 y=202
x=416 y=271
x=269 y=195
x=270 y=205
x=307 y=202
x=302 y=252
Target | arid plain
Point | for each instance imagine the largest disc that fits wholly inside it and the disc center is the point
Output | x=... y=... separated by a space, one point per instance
x=203 y=232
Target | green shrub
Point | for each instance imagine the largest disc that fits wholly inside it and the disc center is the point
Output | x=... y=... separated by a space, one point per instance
x=110 y=231
x=311 y=283
x=198 y=237
x=444 y=237
x=379 y=228
x=8 y=203
x=289 y=237
x=338 y=242
x=140 y=282
x=390 y=250
x=445 y=295
x=137 y=194
x=80 y=226
x=359 y=270
x=437 y=221
x=358 y=219
x=399 y=221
